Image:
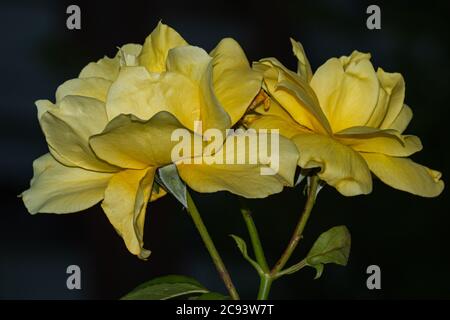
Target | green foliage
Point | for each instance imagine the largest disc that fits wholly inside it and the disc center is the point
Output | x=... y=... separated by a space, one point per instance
x=332 y=246
x=168 y=178
x=210 y=296
x=166 y=287
x=242 y=246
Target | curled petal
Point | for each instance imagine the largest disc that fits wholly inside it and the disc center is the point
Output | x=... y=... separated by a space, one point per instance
x=128 y=54
x=388 y=142
x=401 y=122
x=394 y=84
x=303 y=68
x=125 y=204
x=406 y=175
x=67 y=130
x=43 y=106
x=390 y=99
x=294 y=94
x=128 y=142
x=108 y=68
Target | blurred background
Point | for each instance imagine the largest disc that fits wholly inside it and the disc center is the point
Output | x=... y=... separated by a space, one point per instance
x=407 y=236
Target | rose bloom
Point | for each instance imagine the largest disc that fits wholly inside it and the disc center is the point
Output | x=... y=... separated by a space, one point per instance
x=347 y=120
x=109 y=131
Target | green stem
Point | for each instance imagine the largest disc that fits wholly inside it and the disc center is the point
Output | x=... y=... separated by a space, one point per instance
x=296 y=236
x=266 y=280
x=223 y=272
x=254 y=237
x=264 y=287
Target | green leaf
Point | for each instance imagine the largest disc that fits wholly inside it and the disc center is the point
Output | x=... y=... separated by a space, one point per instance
x=155 y=188
x=292 y=269
x=166 y=287
x=332 y=246
x=168 y=178
x=243 y=248
x=210 y=296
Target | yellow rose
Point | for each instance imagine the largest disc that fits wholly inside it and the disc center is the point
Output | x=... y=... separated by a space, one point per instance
x=348 y=120
x=110 y=130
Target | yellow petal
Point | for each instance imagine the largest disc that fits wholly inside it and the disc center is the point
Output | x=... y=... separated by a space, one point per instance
x=271 y=107
x=303 y=68
x=379 y=112
x=390 y=99
x=270 y=115
x=401 y=122
x=294 y=95
x=394 y=84
x=129 y=54
x=189 y=61
x=125 y=205
x=388 y=142
x=96 y=88
x=291 y=98
x=157 y=192
x=347 y=89
x=341 y=167
x=56 y=188
x=157 y=45
x=108 y=68
x=243 y=179
x=235 y=83
x=43 y=106
x=355 y=57
x=129 y=142
x=67 y=130
x=288 y=128
x=196 y=64
x=144 y=94
x=406 y=175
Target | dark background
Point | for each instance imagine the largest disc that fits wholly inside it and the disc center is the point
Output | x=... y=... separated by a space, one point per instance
x=407 y=236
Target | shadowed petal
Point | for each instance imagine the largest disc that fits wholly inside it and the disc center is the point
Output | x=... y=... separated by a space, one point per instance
x=125 y=205
x=128 y=142
x=67 y=130
x=340 y=166
x=56 y=188
x=243 y=178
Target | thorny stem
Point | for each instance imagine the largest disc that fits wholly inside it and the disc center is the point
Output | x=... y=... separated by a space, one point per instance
x=296 y=236
x=269 y=276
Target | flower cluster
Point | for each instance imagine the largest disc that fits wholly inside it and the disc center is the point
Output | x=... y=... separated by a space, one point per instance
x=110 y=129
